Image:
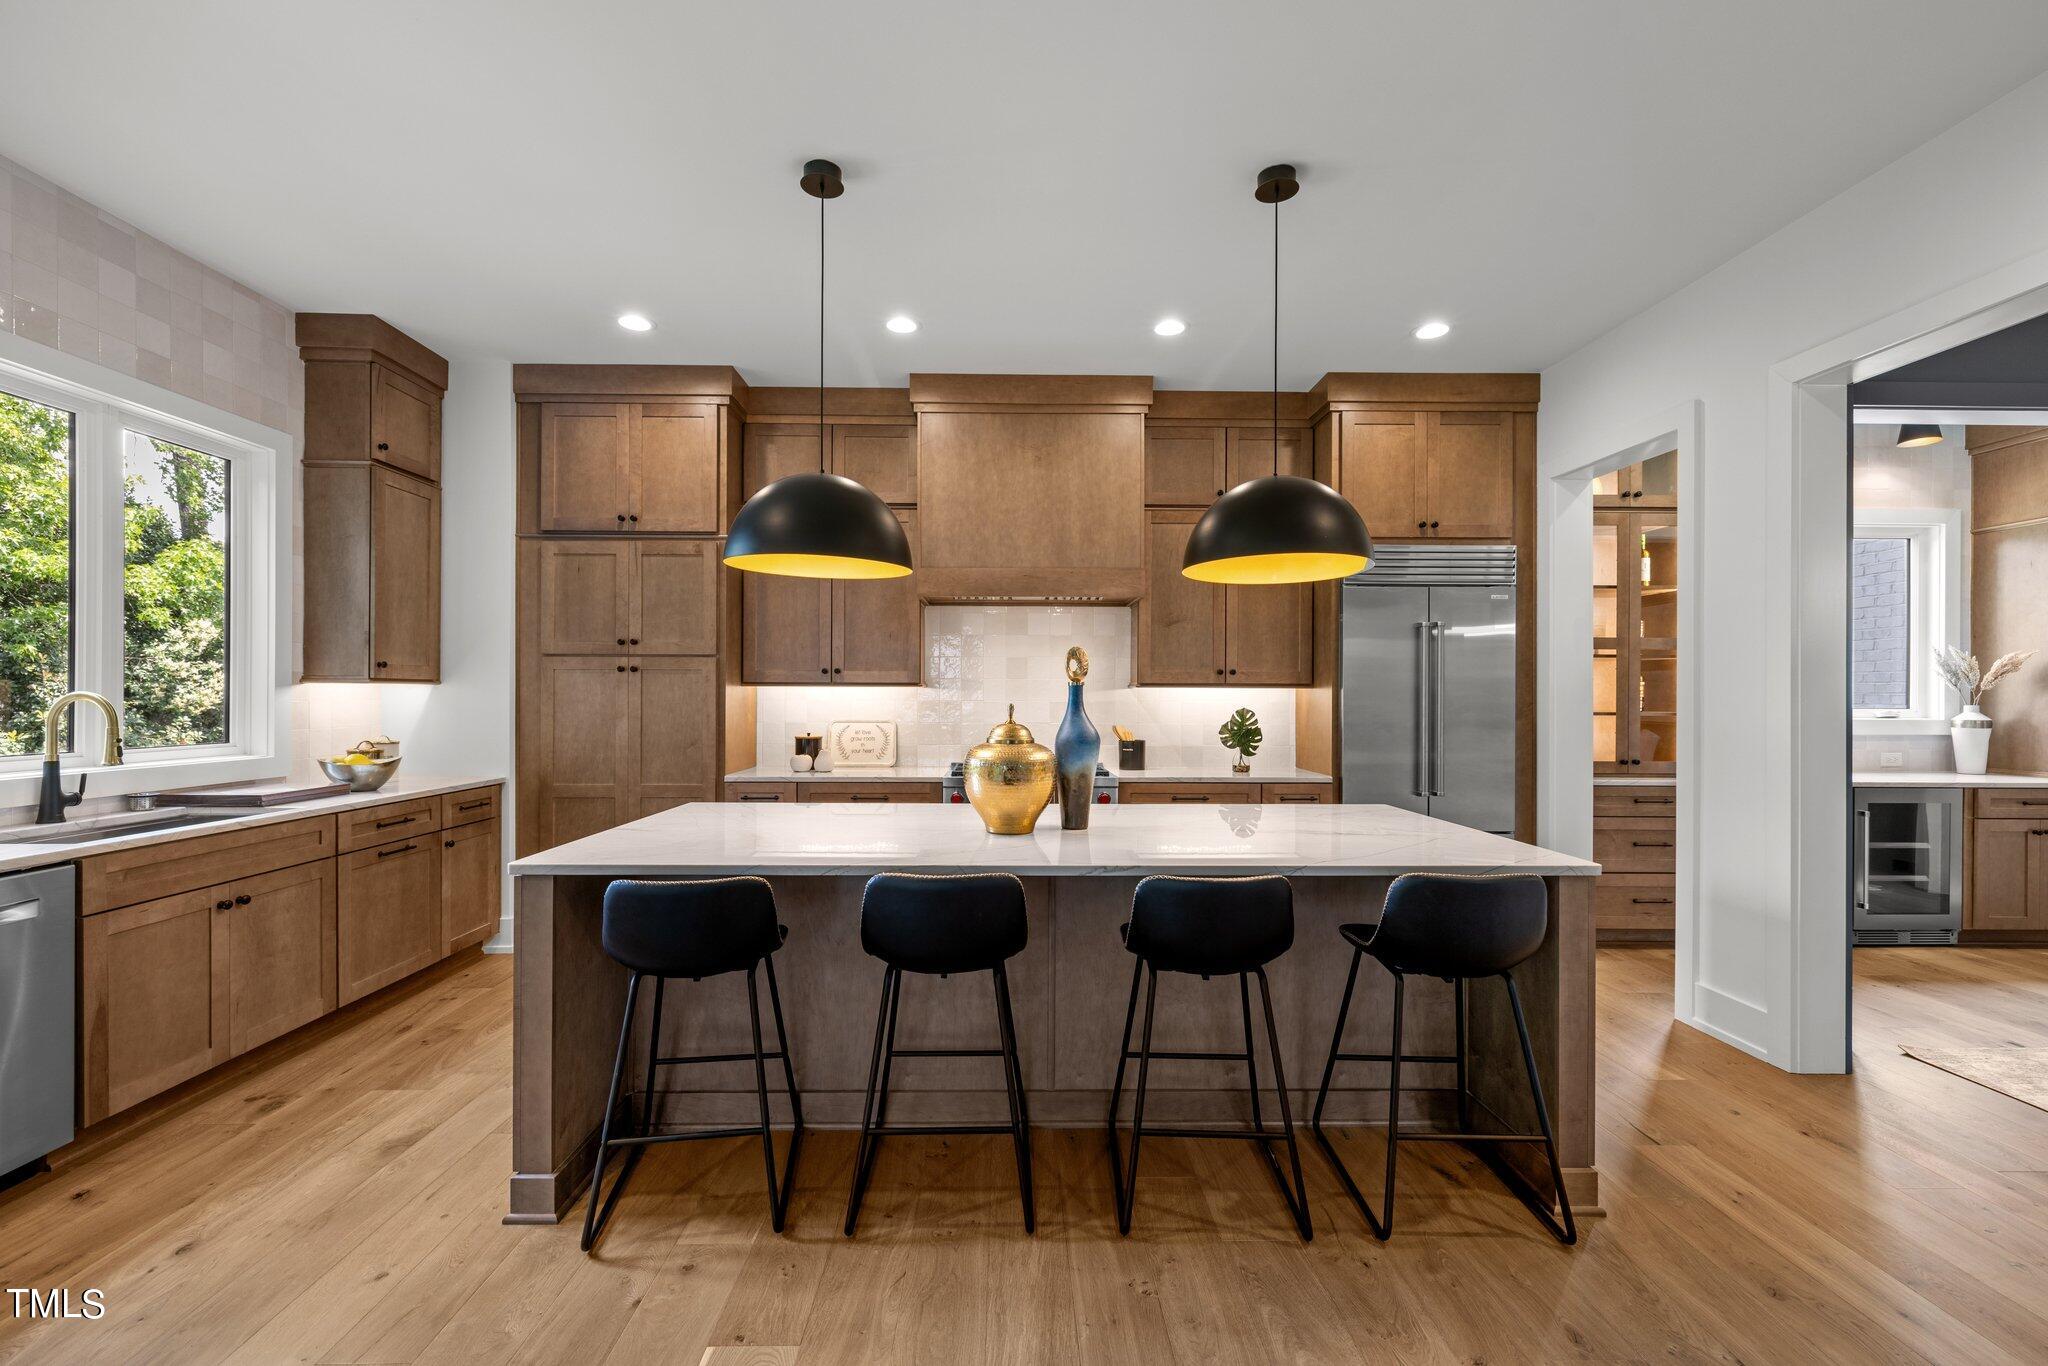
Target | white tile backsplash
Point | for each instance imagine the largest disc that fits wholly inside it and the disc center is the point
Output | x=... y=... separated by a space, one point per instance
x=978 y=660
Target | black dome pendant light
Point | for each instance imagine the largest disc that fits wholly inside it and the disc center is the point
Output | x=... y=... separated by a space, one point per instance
x=818 y=526
x=1277 y=528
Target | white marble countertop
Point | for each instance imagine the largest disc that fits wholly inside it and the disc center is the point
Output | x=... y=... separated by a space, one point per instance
x=844 y=840
x=1899 y=777
x=931 y=773
x=402 y=787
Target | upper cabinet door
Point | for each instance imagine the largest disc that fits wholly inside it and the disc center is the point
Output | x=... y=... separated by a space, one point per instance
x=1180 y=621
x=1471 y=475
x=583 y=597
x=675 y=733
x=405 y=424
x=1183 y=466
x=583 y=464
x=1656 y=482
x=1271 y=634
x=1379 y=468
x=882 y=457
x=675 y=598
x=405 y=578
x=775 y=451
x=1251 y=454
x=785 y=629
x=878 y=625
x=675 y=468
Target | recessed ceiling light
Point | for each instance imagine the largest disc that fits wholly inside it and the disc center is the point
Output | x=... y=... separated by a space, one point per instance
x=634 y=322
x=1430 y=331
x=1169 y=327
x=902 y=322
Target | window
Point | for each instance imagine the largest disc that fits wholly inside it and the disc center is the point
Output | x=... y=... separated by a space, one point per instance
x=138 y=560
x=1905 y=600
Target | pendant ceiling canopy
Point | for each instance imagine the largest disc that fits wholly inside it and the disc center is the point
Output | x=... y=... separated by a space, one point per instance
x=1278 y=528
x=818 y=525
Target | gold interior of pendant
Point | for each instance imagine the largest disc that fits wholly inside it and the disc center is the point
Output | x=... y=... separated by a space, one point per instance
x=1299 y=566
x=818 y=566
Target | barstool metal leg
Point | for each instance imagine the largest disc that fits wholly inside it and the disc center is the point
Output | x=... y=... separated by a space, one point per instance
x=1315 y=1121
x=1020 y=1115
x=595 y=1216
x=1464 y=1084
x=796 y=1104
x=1251 y=1060
x=1567 y=1232
x=778 y=1194
x=653 y=1054
x=1297 y=1202
x=1383 y=1227
x=1127 y=1189
x=876 y=1105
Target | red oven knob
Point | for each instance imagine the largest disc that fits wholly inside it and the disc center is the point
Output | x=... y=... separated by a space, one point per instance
x=959 y=797
x=1102 y=799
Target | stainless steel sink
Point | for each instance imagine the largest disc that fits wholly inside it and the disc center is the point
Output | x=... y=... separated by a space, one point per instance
x=95 y=828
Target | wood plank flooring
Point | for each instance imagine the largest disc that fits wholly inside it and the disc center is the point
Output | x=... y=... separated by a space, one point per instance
x=339 y=1202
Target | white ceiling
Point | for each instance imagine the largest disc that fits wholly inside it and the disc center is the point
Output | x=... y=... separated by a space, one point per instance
x=1036 y=182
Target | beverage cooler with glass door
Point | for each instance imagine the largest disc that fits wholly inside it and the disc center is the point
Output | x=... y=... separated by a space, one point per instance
x=1908 y=882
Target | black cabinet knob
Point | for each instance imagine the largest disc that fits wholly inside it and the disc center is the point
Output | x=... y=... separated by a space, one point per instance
x=622 y=517
x=1422 y=526
x=1233 y=673
x=383 y=445
x=447 y=844
x=382 y=664
x=634 y=641
x=1432 y=526
x=222 y=905
x=241 y=901
x=837 y=669
x=622 y=668
x=826 y=672
x=1219 y=673
x=634 y=669
x=622 y=640
x=633 y=517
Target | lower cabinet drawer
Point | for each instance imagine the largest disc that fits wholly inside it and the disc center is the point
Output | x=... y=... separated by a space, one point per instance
x=390 y=821
x=152 y=871
x=1191 y=794
x=1636 y=846
x=1634 y=903
x=387 y=914
x=2024 y=803
x=1284 y=794
x=760 y=792
x=920 y=793
x=1635 y=801
x=469 y=807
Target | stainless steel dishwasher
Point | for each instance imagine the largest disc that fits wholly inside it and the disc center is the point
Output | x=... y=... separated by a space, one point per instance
x=38 y=994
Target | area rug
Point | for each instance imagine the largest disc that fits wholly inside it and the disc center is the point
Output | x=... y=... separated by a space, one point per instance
x=2021 y=1073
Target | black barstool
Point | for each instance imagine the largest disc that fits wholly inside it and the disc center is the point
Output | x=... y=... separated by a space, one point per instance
x=1210 y=927
x=1459 y=929
x=972 y=922
x=694 y=930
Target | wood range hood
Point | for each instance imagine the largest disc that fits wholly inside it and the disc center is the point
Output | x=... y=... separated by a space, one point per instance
x=1031 y=487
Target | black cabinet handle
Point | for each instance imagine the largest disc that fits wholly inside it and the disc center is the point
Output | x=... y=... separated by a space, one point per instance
x=857 y=798
x=1653 y=801
x=1233 y=673
x=1198 y=798
x=1433 y=526
x=1651 y=844
x=1422 y=526
x=1299 y=798
x=836 y=669
x=1649 y=901
x=826 y=672
x=242 y=900
x=383 y=445
x=621 y=668
x=1219 y=673
x=387 y=853
x=383 y=664
x=471 y=806
x=759 y=797
x=399 y=820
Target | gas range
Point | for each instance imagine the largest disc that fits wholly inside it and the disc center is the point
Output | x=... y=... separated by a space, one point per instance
x=954 y=787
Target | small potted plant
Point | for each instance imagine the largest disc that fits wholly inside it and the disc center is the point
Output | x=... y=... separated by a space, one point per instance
x=1970 y=729
x=1241 y=733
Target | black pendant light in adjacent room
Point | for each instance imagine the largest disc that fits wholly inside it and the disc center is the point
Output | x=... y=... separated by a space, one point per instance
x=1919 y=434
x=1277 y=528
x=818 y=526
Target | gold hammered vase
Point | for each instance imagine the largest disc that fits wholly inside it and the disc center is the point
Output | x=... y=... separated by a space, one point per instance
x=1009 y=778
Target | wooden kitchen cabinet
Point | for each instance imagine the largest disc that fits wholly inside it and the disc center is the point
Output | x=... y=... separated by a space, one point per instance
x=405 y=424
x=1646 y=485
x=373 y=574
x=280 y=952
x=629 y=467
x=776 y=450
x=1636 y=845
x=672 y=742
x=471 y=880
x=1634 y=907
x=1252 y=453
x=760 y=792
x=2008 y=881
x=1297 y=794
x=1184 y=466
x=617 y=738
x=628 y=597
x=1635 y=643
x=1430 y=474
x=1189 y=793
x=865 y=631
x=882 y=456
x=388 y=920
x=152 y=1001
x=1198 y=634
x=918 y=794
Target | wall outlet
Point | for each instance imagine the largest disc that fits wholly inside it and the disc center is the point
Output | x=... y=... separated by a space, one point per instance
x=1891 y=758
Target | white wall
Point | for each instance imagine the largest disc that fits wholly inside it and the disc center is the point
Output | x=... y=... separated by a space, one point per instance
x=464 y=725
x=1892 y=244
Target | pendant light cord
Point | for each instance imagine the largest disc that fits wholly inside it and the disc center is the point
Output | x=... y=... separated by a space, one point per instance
x=1276 y=336
x=822 y=334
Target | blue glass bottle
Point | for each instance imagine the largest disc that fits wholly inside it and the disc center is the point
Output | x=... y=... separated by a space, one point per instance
x=1076 y=749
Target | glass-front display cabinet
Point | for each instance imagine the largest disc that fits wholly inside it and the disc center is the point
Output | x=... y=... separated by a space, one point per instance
x=1635 y=642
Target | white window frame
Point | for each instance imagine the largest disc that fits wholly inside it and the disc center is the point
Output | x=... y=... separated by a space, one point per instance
x=1935 y=577
x=262 y=464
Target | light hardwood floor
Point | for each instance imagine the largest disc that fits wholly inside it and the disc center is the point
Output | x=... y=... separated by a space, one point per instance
x=339 y=1202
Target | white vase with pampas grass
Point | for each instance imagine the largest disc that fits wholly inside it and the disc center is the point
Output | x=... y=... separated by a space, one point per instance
x=1970 y=729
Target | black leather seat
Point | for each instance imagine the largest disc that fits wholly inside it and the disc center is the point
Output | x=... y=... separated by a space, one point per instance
x=1459 y=928
x=1206 y=927
x=693 y=930
x=941 y=926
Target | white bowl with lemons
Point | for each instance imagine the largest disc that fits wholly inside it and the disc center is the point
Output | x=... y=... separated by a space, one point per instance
x=362 y=772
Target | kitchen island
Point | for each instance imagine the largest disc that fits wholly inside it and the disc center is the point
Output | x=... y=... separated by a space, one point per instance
x=1070 y=984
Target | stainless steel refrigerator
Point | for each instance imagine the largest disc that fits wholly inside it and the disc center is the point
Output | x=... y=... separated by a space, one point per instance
x=1428 y=695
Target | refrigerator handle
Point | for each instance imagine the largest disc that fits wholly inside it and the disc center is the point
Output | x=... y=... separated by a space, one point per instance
x=1421 y=707
x=1862 y=859
x=1436 y=709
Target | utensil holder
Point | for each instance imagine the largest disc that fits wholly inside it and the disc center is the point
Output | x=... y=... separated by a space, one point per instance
x=1130 y=754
